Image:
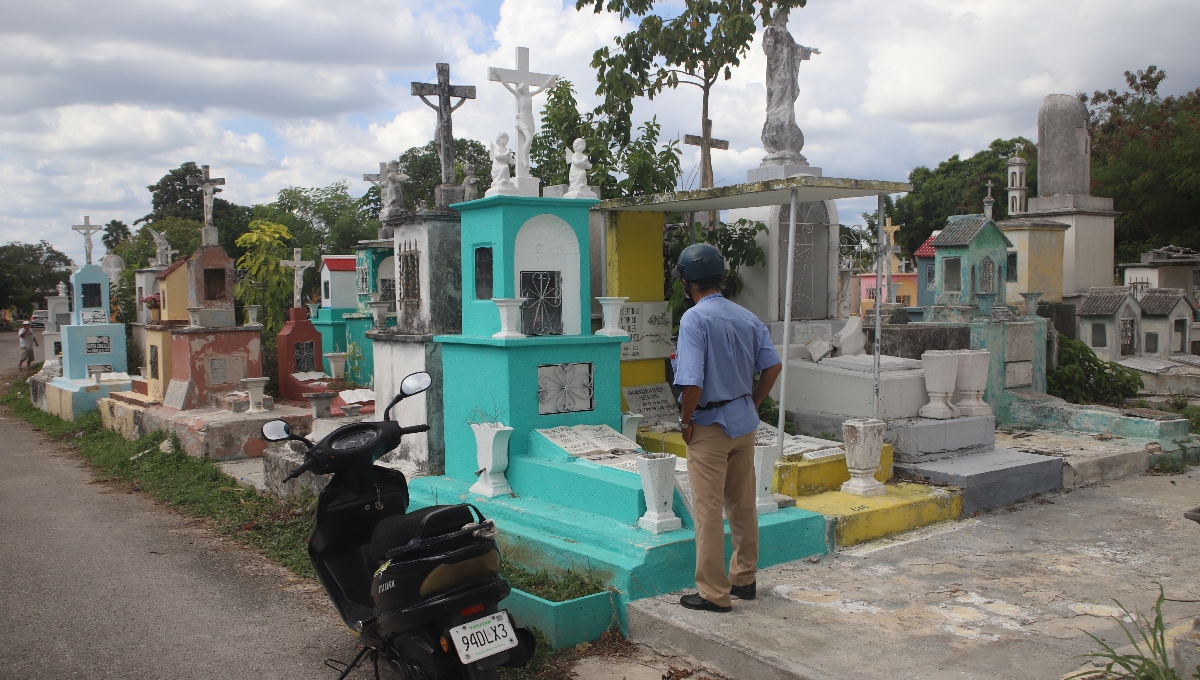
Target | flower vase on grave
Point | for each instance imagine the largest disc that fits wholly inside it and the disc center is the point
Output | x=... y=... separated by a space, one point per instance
x=510 y=317
x=972 y=381
x=322 y=403
x=313 y=309
x=379 y=310
x=337 y=364
x=351 y=410
x=629 y=425
x=657 y=471
x=255 y=387
x=1031 y=303
x=764 y=475
x=491 y=454
x=611 y=307
x=194 y=316
x=941 y=370
x=252 y=316
x=864 y=444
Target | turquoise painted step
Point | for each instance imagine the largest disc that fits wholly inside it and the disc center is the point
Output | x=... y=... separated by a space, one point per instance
x=565 y=624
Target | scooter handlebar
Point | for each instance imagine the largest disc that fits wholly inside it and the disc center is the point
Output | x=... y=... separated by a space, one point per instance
x=414 y=429
x=304 y=467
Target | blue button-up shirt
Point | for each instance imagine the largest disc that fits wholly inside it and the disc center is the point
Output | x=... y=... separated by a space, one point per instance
x=721 y=346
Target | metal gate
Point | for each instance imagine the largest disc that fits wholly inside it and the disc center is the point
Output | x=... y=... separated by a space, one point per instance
x=809 y=284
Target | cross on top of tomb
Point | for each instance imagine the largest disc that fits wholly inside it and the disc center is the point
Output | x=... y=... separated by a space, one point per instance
x=208 y=184
x=707 y=143
x=444 y=92
x=87 y=229
x=518 y=82
x=298 y=284
x=377 y=180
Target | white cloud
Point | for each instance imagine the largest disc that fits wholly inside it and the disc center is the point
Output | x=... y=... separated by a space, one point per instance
x=99 y=100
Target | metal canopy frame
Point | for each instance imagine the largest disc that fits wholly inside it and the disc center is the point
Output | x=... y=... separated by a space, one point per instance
x=789 y=191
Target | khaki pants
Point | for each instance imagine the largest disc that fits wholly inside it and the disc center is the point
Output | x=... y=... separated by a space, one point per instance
x=721 y=470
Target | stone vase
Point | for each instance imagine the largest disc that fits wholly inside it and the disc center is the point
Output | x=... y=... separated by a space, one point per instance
x=255 y=387
x=491 y=455
x=611 y=307
x=194 y=316
x=972 y=382
x=658 y=483
x=764 y=476
x=510 y=317
x=379 y=310
x=321 y=403
x=337 y=364
x=864 y=444
x=1031 y=303
x=252 y=316
x=941 y=371
x=629 y=425
x=313 y=309
x=351 y=410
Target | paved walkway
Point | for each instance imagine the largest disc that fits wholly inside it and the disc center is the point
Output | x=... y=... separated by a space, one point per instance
x=99 y=583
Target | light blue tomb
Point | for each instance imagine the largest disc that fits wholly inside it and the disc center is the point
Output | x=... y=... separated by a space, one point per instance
x=90 y=344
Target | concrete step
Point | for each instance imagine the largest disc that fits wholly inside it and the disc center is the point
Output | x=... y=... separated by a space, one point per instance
x=922 y=439
x=905 y=507
x=1090 y=467
x=993 y=478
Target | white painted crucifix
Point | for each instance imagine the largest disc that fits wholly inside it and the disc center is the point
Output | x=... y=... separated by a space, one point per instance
x=87 y=229
x=208 y=184
x=519 y=82
x=298 y=284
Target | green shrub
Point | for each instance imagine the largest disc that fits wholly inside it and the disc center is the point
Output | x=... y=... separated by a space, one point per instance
x=1081 y=377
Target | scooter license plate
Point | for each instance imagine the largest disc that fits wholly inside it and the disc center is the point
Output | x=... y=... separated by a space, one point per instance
x=484 y=637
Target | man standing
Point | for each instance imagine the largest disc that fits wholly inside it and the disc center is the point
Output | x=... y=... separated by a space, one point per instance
x=28 y=341
x=721 y=347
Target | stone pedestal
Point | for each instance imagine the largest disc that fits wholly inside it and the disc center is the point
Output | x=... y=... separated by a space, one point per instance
x=864 y=444
x=658 y=484
x=337 y=364
x=379 y=312
x=252 y=316
x=611 y=308
x=972 y=381
x=1031 y=303
x=321 y=402
x=764 y=474
x=351 y=410
x=491 y=454
x=510 y=317
x=255 y=387
x=941 y=371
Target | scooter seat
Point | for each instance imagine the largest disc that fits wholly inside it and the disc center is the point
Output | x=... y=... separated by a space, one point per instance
x=397 y=530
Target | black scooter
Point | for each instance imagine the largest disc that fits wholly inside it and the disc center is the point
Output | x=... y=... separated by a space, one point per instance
x=419 y=589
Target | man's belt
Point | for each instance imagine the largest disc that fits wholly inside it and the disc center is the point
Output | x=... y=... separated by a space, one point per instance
x=717 y=404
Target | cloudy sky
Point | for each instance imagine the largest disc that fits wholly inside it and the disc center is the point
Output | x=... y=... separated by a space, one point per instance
x=98 y=100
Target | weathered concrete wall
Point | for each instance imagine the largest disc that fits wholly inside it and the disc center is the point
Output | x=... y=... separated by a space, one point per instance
x=396 y=356
x=1062 y=315
x=914 y=339
x=279 y=459
x=1034 y=408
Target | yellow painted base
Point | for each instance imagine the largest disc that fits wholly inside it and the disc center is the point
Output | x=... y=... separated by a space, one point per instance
x=668 y=442
x=797 y=478
x=906 y=506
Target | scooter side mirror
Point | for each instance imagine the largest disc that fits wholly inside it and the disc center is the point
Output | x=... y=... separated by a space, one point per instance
x=276 y=431
x=415 y=383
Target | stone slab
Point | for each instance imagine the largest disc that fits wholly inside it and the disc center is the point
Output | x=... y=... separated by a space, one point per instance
x=1018 y=342
x=924 y=439
x=796 y=477
x=904 y=507
x=1091 y=467
x=1018 y=374
x=994 y=478
x=842 y=392
x=866 y=363
x=911 y=340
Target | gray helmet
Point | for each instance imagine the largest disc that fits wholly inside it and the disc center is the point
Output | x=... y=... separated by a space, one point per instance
x=700 y=261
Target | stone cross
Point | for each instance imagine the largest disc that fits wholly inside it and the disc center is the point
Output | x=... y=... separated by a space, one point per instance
x=377 y=180
x=444 y=92
x=208 y=238
x=87 y=229
x=299 y=266
x=706 y=144
x=892 y=250
x=518 y=83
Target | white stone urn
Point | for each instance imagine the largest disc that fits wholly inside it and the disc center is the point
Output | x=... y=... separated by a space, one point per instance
x=657 y=471
x=337 y=364
x=510 y=317
x=255 y=387
x=765 y=458
x=973 y=367
x=194 y=316
x=491 y=454
x=864 y=444
x=611 y=308
x=379 y=310
x=941 y=371
x=321 y=403
x=629 y=425
x=252 y=316
x=1031 y=303
x=351 y=410
x=313 y=309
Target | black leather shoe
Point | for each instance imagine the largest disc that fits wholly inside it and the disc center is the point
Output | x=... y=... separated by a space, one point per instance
x=747 y=592
x=697 y=602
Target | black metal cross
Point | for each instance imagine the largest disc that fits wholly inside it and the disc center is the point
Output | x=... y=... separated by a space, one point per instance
x=444 y=91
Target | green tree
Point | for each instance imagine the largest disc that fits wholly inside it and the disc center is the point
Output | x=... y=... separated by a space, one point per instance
x=698 y=45
x=115 y=233
x=172 y=197
x=266 y=282
x=620 y=167
x=424 y=170
x=1146 y=157
x=956 y=187
x=28 y=273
